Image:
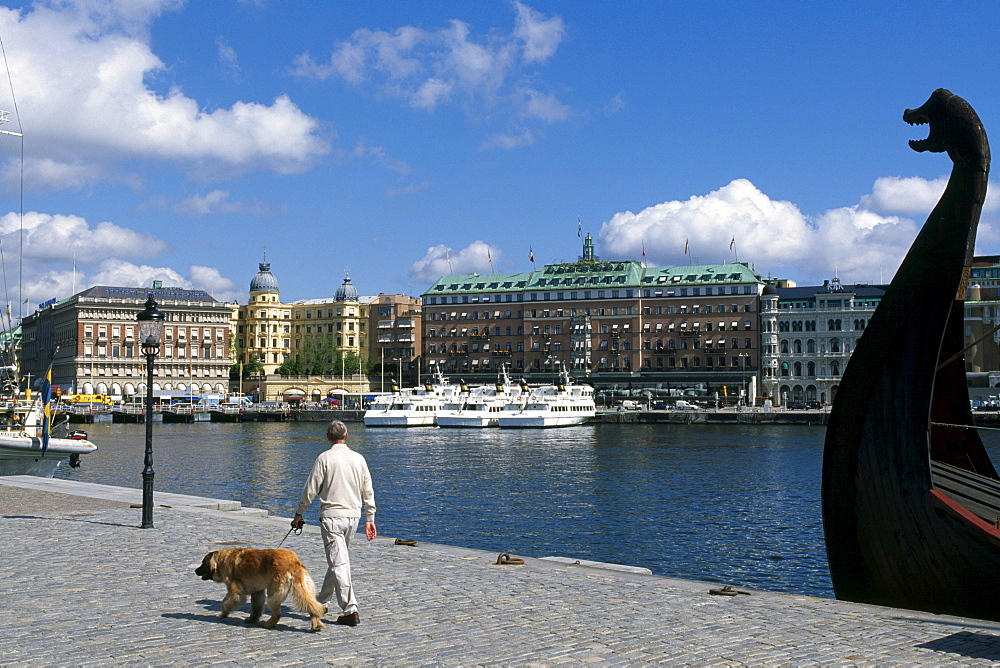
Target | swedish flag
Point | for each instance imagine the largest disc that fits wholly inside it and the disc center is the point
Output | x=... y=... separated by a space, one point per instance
x=46 y=408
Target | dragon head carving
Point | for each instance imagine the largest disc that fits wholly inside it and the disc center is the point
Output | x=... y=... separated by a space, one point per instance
x=955 y=128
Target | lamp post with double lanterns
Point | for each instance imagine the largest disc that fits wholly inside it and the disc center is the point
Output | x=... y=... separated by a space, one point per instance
x=150 y=330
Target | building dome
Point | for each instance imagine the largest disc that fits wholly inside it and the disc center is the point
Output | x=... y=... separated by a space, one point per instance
x=346 y=292
x=264 y=280
x=769 y=290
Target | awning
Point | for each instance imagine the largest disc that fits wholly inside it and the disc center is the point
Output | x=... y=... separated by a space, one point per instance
x=294 y=393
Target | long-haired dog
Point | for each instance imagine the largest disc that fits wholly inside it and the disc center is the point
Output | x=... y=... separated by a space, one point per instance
x=275 y=574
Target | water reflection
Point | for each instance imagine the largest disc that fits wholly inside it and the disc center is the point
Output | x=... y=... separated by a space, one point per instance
x=730 y=504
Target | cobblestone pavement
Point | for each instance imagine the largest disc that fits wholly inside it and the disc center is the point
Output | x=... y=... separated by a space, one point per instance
x=83 y=585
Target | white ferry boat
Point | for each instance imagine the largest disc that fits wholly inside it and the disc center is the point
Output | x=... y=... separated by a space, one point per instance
x=483 y=405
x=412 y=407
x=561 y=405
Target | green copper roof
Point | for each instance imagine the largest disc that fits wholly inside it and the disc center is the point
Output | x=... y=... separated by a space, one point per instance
x=597 y=274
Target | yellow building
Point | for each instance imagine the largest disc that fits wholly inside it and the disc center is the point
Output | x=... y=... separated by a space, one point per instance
x=270 y=332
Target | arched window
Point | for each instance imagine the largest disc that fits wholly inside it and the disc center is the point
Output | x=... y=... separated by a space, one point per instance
x=784 y=368
x=834 y=345
x=798 y=368
x=784 y=347
x=797 y=346
x=835 y=368
x=811 y=369
x=810 y=346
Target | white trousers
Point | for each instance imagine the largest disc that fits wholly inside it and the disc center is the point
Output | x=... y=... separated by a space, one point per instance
x=337 y=533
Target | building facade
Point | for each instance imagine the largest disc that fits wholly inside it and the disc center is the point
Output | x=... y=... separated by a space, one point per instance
x=617 y=324
x=270 y=332
x=395 y=323
x=982 y=327
x=808 y=334
x=90 y=339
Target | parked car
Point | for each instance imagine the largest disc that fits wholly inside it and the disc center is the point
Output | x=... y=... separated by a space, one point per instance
x=814 y=405
x=796 y=406
x=659 y=406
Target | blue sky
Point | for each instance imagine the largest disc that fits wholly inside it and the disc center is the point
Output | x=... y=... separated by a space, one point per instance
x=401 y=141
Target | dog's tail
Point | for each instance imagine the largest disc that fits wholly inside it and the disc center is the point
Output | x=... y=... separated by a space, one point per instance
x=304 y=594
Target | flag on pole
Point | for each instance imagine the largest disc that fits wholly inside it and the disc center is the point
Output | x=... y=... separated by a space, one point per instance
x=46 y=408
x=644 y=248
x=531 y=255
x=732 y=243
x=579 y=227
x=686 y=246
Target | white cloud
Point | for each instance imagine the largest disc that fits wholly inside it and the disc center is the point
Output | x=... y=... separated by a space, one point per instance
x=856 y=243
x=228 y=60
x=509 y=141
x=914 y=195
x=544 y=107
x=63 y=254
x=80 y=72
x=911 y=195
x=123 y=273
x=540 y=36
x=49 y=237
x=428 y=68
x=218 y=201
x=442 y=260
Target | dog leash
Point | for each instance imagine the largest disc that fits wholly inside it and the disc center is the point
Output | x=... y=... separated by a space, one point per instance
x=296 y=530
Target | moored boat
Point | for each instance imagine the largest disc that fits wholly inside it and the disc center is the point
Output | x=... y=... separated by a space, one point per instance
x=21 y=442
x=412 y=407
x=482 y=406
x=564 y=404
x=911 y=500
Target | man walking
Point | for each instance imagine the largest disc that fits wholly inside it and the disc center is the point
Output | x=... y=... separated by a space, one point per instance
x=341 y=479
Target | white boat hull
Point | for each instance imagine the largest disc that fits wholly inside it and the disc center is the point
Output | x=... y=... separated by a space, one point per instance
x=390 y=420
x=528 y=421
x=22 y=455
x=468 y=421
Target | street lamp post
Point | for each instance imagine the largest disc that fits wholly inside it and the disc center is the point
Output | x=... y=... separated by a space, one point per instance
x=745 y=398
x=150 y=329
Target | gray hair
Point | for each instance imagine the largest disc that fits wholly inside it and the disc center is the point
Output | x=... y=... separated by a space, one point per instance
x=336 y=432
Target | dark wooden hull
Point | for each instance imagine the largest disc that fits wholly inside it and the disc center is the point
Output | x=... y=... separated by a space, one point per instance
x=892 y=538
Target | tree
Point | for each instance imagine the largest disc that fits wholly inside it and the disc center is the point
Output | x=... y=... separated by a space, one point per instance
x=291 y=368
x=252 y=368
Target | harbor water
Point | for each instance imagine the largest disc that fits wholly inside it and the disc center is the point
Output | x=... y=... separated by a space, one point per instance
x=735 y=504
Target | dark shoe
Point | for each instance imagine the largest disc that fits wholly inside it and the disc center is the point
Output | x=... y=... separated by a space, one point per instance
x=352 y=619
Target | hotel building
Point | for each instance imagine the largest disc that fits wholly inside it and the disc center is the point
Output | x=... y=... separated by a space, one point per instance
x=90 y=339
x=618 y=324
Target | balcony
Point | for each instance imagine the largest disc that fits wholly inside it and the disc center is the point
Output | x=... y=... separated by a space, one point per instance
x=501 y=353
x=484 y=336
x=714 y=351
x=690 y=332
x=664 y=351
x=458 y=353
